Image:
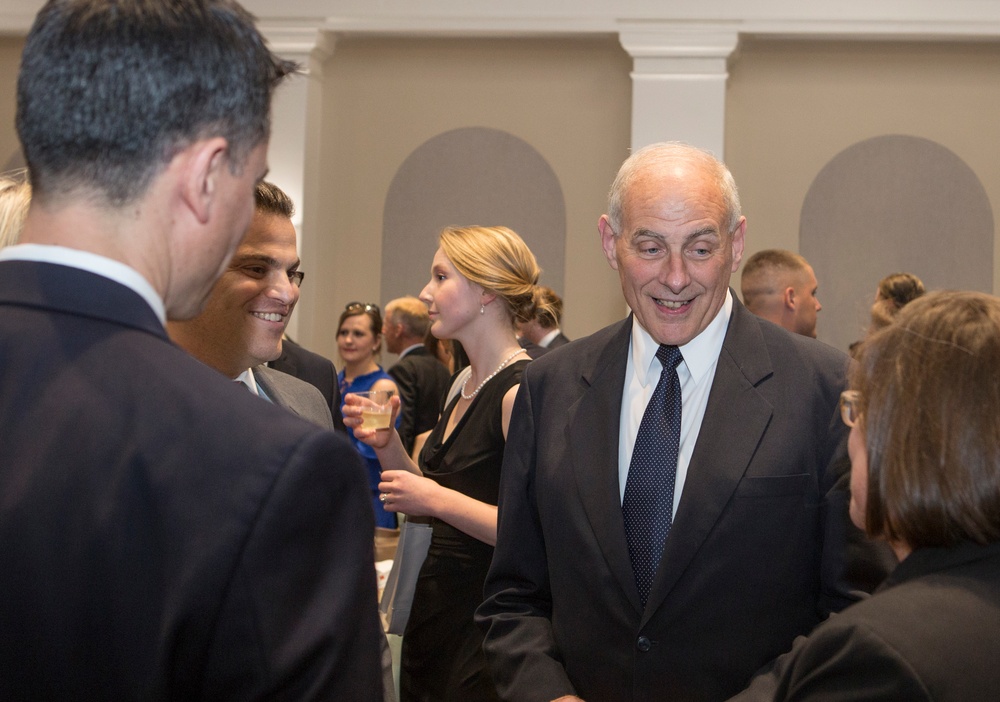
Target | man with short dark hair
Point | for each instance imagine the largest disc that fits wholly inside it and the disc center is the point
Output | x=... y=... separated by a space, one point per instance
x=780 y=286
x=672 y=512
x=243 y=323
x=421 y=378
x=166 y=535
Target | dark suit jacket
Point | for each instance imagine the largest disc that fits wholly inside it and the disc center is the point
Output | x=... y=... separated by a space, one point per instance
x=293 y=394
x=316 y=370
x=558 y=340
x=166 y=535
x=533 y=349
x=754 y=555
x=422 y=381
x=932 y=632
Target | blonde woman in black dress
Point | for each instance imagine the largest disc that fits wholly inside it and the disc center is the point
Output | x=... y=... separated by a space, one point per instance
x=483 y=281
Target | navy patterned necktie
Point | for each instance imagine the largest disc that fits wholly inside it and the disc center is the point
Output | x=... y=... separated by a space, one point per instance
x=649 y=489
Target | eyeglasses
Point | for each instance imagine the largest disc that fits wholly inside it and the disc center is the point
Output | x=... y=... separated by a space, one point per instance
x=361 y=307
x=849 y=410
x=260 y=267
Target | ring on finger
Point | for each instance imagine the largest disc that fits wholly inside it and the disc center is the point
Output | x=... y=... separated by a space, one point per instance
x=383 y=497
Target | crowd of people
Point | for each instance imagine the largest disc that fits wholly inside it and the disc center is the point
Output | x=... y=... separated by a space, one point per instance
x=698 y=502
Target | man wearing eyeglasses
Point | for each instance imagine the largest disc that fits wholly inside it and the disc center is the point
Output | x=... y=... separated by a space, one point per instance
x=245 y=317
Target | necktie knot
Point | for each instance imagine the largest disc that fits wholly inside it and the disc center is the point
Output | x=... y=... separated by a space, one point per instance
x=670 y=356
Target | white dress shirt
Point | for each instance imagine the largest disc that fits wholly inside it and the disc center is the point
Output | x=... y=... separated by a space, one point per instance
x=696 y=373
x=247 y=378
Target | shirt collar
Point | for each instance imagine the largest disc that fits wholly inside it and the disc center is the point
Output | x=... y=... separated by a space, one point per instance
x=247 y=378
x=547 y=339
x=93 y=263
x=700 y=354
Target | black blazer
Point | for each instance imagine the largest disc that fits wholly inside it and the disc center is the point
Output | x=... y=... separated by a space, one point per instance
x=931 y=632
x=754 y=557
x=316 y=370
x=423 y=382
x=166 y=535
x=534 y=350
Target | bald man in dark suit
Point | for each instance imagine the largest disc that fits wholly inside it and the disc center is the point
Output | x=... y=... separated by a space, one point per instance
x=749 y=549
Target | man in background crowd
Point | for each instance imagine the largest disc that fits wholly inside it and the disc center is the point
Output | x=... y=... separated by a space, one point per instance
x=543 y=330
x=421 y=378
x=780 y=286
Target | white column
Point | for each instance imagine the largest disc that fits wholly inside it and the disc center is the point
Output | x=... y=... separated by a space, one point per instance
x=679 y=74
x=296 y=118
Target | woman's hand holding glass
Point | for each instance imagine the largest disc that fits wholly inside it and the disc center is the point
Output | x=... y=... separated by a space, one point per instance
x=355 y=406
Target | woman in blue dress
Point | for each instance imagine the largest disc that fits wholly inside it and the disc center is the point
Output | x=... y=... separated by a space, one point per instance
x=359 y=339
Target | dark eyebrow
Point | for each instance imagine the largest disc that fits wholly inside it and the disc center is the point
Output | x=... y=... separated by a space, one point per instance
x=260 y=258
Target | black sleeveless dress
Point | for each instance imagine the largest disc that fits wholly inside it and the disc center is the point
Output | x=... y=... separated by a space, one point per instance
x=442 y=656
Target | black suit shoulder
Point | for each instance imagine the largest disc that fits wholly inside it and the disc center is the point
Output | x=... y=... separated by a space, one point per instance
x=153 y=500
x=930 y=633
x=422 y=381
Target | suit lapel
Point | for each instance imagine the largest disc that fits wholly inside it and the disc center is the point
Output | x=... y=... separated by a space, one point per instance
x=264 y=377
x=735 y=419
x=593 y=438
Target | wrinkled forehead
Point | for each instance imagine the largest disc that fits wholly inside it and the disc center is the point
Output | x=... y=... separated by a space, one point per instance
x=676 y=193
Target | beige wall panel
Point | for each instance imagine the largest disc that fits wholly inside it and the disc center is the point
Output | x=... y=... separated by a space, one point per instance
x=792 y=106
x=383 y=98
x=10 y=60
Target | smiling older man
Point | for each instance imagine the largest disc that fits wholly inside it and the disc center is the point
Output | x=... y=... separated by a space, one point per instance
x=672 y=514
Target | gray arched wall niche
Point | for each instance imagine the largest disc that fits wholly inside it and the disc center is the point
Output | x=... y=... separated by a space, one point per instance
x=893 y=204
x=472 y=175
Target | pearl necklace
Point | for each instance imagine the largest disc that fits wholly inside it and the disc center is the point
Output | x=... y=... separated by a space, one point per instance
x=503 y=364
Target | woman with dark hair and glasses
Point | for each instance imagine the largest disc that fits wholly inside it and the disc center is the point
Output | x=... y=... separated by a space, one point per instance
x=359 y=340
x=483 y=281
x=924 y=412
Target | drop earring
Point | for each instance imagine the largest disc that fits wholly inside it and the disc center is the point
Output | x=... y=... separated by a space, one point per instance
x=482 y=309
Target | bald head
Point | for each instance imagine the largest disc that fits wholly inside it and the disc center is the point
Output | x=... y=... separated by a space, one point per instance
x=780 y=286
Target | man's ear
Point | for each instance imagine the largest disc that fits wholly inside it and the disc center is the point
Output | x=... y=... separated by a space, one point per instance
x=202 y=165
x=738 y=242
x=608 y=241
x=788 y=299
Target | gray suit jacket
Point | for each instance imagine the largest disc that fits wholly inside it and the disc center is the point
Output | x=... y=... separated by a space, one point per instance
x=306 y=401
x=296 y=395
x=755 y=556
